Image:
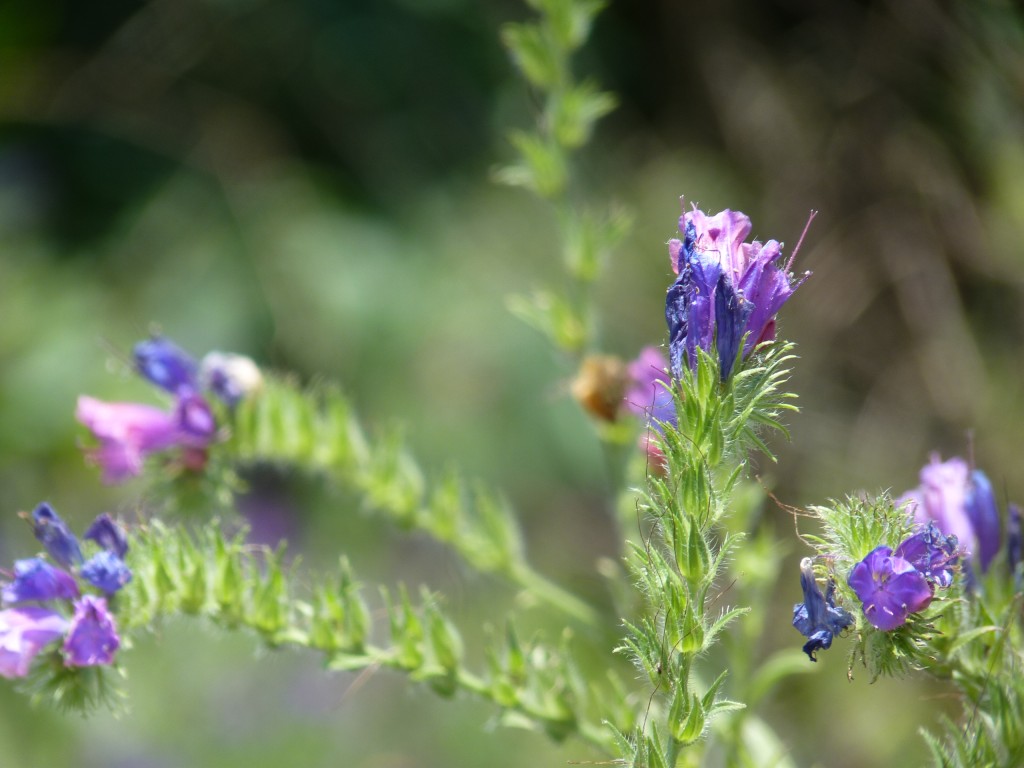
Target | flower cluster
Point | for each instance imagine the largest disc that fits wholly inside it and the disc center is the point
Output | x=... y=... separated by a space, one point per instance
x=956 y=526
x=892 y=584
x=31 y=623
x=726 y=289
x=128 y=432
x=961 y=503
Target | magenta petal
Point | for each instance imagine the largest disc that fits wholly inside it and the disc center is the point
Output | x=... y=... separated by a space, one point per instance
x=23 y=634
x=649 y=395
x=960 y=503
x=127 y=432
x=145 y=426
x=676 y=254
x=196 y=423
x=722 y=236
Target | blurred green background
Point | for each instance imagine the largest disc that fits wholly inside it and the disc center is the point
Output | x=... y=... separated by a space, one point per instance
x=308 y=182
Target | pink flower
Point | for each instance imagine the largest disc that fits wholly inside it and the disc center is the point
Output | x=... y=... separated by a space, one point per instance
x=128 y=432
x=649 y=395
x=961 y=503
x=23 y=634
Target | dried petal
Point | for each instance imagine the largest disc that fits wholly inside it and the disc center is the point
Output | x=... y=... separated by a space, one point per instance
x=818 y=618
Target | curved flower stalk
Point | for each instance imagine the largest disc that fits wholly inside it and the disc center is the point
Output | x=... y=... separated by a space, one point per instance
x=228 y=582
x=47 y=603
x=316 y=431
x=128 y=433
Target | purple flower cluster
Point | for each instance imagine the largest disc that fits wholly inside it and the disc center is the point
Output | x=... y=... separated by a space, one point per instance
x=960 y=501
x=891 y=585
x=726 y=289
x=957 y=520
x=129 y=432
x=31 y=623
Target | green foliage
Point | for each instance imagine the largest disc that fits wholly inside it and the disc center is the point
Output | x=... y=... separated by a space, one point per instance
x=977 y=645
x=553 y=316
x=217 y=577
x=78 y=690
x=680 y=564
x=588 y=238
x=853 y=527
x=317 y=431
x=542 y=50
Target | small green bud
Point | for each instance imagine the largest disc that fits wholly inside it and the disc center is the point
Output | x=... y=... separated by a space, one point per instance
x=691 y=728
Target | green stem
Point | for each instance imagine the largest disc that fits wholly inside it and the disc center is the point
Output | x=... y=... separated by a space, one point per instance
x=552 y=594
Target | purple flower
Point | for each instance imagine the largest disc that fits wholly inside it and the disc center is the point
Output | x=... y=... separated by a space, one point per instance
x=889 y=587
x=726 y=288
x=1014 y=540
x=165 y=364
x=196 y=425
x=931 y=553
x=650 y=395
x=128 y=432
x=91 y=636
x=36 y=579
x=108 y=534
x=55 y=536
x=23 y=633
x=689 y=302
x=106 y=571
x=92 y=639
x=818 y=618
x=980 y=505
x=961 y=504
x=230 y=377
x=732 y=311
